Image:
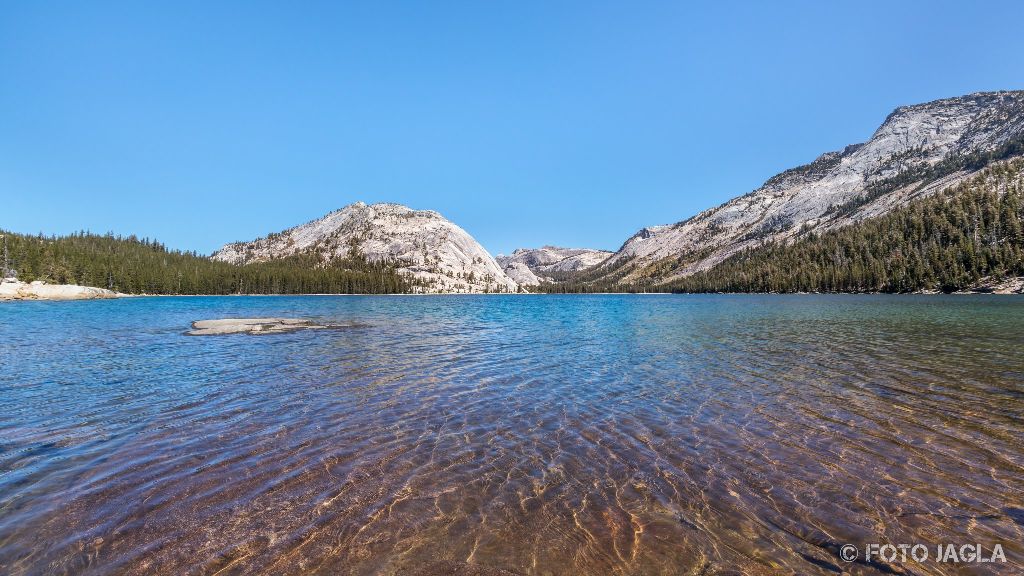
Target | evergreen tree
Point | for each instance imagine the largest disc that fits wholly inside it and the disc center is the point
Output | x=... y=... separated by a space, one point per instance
x=146 y=266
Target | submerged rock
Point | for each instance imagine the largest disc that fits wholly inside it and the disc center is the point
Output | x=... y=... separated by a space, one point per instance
x=256 y=326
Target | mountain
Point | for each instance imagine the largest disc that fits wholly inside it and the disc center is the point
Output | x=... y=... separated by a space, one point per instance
x=435 y=254
x=133 y=266
x=917 y=151
x=968 y=237
x=531 y=266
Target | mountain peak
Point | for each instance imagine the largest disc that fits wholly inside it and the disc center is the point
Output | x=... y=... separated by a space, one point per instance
x=432 y=251
x=530 y=266
x=916 y=151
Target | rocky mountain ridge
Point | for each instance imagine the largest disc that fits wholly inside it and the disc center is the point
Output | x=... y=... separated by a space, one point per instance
x=917 y=151
x=531 y=266
x=434 y=253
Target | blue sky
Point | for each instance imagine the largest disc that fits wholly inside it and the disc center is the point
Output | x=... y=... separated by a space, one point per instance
x=569 y=123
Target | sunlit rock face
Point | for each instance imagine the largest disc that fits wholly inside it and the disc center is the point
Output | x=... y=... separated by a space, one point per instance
x=435 y=252
x=521 y=273
x=834 y=190
x=530 y=266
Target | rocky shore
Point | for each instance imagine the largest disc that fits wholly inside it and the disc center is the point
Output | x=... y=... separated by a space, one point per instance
x=41 y=291
x=1012 y=285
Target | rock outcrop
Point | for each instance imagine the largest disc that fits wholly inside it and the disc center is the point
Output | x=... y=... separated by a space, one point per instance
x=435 y=253
x=530 y=266
x=918 y=150
x=259 y=326
x=42 y=291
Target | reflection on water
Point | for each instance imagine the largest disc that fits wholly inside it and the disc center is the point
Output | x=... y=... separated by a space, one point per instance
x=527 y=435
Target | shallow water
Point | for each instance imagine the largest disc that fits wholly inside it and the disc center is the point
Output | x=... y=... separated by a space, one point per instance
x=531 y=434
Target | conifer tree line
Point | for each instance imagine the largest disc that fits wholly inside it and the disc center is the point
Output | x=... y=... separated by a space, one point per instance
x=134 y=266
x=946 y=242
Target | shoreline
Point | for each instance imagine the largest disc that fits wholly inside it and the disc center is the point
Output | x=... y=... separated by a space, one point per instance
x=42 y=292
x=120 y=296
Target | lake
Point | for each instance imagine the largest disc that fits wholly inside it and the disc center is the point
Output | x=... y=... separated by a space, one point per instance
x=600 y=434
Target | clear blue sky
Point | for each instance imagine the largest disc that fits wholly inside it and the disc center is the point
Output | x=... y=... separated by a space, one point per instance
x=527 y=123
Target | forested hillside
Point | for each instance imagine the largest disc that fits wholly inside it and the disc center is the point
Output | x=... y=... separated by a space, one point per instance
x=916 y=151
x=950 y=241
x=136 y=266
x=946 y=242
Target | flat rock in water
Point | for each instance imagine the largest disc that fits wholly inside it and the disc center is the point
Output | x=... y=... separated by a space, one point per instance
x=255 y=326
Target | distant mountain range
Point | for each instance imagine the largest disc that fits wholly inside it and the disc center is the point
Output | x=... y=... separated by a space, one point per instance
x=933 y=201
x=531 y=266
x=917 y=152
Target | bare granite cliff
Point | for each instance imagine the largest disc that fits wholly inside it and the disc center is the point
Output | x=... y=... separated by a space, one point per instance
x=530 y=266
x=918 y=150
x=437 y=254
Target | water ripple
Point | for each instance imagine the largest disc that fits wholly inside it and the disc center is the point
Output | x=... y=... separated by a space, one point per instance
x=510 y=435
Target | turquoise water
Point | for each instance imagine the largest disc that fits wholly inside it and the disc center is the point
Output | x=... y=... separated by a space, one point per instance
x=528 y=434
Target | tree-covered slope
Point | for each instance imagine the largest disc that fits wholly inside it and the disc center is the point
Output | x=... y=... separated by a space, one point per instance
x=946 y=242
x=136 y=266
x=917 y=151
